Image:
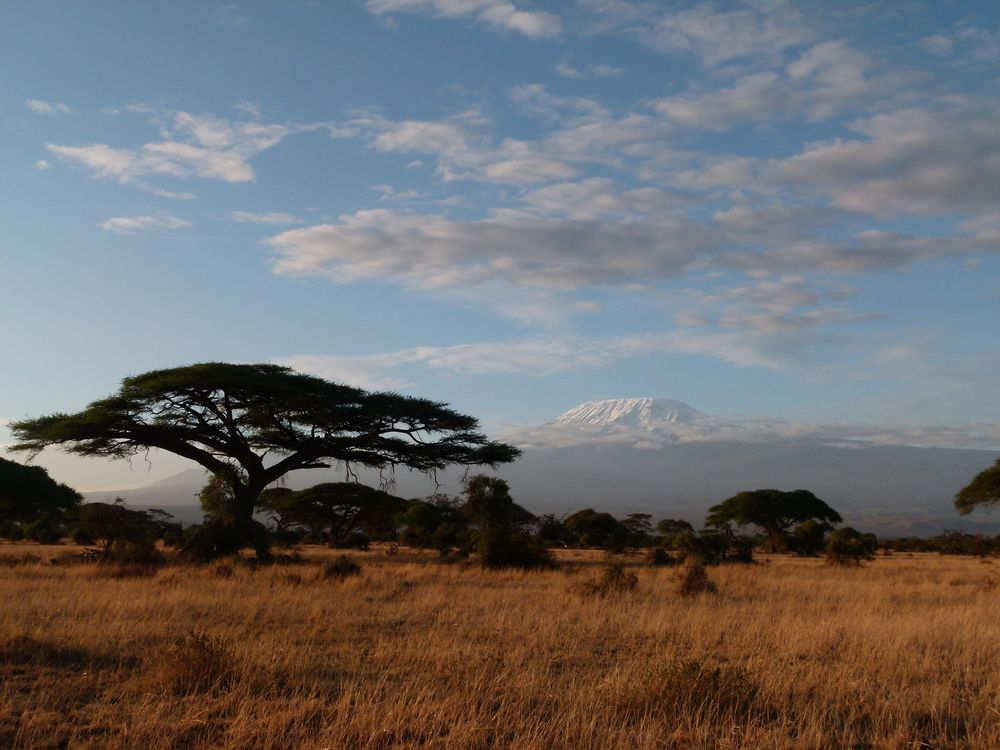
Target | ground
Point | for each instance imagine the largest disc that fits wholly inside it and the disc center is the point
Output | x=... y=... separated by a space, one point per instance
x=903 y=652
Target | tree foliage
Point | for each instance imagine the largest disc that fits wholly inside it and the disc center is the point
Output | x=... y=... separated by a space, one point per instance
x=983 y=490
x=28 y=493
x=337 y=509
x=773 y=511
x=849 y=546
x=119 y=529
x=591 y=528
x=252 y=424
x=502 y=540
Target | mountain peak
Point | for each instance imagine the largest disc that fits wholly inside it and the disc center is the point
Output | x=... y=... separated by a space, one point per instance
x=632 y=412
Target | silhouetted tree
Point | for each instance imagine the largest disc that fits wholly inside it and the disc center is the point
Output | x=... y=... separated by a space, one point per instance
x=983 y=490
x=639 y=528
x=28 y=493
x=809 y=537
x=112 y=524
x=502 y=540
x=591 y=528
x=436 y=522
x=773 y=511
x=849 y=546
x=252 y=424
x=337 y=508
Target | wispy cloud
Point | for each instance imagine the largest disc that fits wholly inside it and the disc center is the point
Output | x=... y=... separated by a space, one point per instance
x=275 y=218
x=202 y=146
x=40 y=107
x=133 y=224
x=499 y=15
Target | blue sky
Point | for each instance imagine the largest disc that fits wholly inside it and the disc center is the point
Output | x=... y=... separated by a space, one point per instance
x=763 y=208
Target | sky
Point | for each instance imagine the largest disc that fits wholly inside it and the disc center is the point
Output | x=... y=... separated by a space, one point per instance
x=765 y=209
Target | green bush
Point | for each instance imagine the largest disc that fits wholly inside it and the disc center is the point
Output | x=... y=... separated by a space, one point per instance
x=849 y=546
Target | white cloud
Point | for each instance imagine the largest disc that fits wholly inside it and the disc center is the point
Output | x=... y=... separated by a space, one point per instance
x=568 y=71
x=275 y=218
x=500 y=15
x=432 y=251
x=40 y=107
x=603 y=70
x=41 y=164
x=594 y=70
x=751 y=30
x=133 y=224
x=824 y=80
x=912 y=161
x=194 y=145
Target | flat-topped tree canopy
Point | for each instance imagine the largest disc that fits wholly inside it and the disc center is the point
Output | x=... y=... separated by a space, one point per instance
x=253 y=423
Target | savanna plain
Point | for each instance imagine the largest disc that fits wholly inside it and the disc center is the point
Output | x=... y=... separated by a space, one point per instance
x=411 y=652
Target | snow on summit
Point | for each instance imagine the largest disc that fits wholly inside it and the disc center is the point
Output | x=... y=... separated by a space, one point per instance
x=630 y=412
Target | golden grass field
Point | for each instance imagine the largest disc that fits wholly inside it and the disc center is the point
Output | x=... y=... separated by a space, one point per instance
x=901 y=653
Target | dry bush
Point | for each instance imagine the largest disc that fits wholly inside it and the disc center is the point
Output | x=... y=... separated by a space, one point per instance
x=692 y=578
x=341 y=568
x=613 y=579
x=194 y=663
x=660 y=558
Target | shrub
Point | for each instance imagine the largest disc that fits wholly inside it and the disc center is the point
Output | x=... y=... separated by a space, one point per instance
x=849 y=546
x=692 y=578
x=614 y=579
x=659 y=557
x=341 y=568
x=81 y=537
x=192 y=664
x=42 y=531
x=16 y=533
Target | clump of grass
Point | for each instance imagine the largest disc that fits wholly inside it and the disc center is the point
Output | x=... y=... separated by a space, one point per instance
x=194 y=663
x=660 y=558
x=341 y=568
x=692 y=578
x=15 y=561
x=614 y=579
x=698 y=689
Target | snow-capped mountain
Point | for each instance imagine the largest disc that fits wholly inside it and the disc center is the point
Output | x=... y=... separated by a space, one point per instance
x=631 y=412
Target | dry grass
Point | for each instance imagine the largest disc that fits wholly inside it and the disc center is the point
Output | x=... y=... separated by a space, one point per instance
x=901 y=653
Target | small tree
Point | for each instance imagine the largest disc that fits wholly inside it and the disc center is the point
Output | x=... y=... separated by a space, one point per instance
x=339 y=508
x=590 y=528
x=809 y=537
x=773 y=512
x=502 y=541
x=437 y=522
x=115 y=526
x=983 y=490
x=639 y=528
x=849 y=546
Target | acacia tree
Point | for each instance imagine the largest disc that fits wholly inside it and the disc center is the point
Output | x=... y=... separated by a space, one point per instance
x=251 y=424
x=984 y=489
x=773 y=511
